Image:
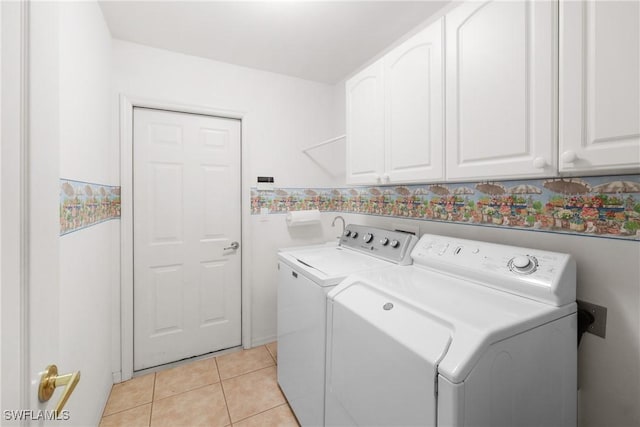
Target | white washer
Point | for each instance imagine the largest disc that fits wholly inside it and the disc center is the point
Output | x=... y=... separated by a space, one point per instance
x=472 y=334
x=305 y=276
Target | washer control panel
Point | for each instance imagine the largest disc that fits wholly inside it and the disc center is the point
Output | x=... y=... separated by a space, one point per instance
x=394 y=246
x=541 y=275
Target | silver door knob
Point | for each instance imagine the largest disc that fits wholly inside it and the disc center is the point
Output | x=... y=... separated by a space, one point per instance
x=234 y=246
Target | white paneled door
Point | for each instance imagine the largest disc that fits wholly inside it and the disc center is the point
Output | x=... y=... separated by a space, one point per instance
x=187 y=262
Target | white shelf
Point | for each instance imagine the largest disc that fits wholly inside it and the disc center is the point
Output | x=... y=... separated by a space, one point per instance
x=323 y=143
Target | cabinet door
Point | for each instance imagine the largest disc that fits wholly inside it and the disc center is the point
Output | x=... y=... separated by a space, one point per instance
x=501 y=96
x=365 y=126
x=414 y=108
x=599 y=86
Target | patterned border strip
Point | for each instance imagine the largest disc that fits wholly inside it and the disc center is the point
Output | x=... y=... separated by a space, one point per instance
x=604 y=206
x=83 y=204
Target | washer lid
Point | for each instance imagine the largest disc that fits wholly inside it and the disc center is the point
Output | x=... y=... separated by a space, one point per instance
x=328 y=265
x=477 y=316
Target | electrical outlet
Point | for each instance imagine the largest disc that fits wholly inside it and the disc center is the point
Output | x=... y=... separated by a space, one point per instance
x=599 y=325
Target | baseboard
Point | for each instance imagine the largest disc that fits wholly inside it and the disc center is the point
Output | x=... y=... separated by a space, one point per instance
x=262 y=341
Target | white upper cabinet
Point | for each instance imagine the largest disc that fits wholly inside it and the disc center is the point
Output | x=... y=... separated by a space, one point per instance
x=365 y=126
x=501 y=95
x=599 y=86
x=414 y=108
x=395 y=110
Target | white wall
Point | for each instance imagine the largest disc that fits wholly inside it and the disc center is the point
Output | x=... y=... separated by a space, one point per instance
x=272 y=233
x=87 y=259
x=282 y=115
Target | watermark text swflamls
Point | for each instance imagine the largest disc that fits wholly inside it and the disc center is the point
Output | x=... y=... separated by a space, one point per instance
x=35 y=415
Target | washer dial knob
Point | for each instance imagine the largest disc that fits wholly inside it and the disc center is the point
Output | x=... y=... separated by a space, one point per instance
x=347 y=233
x=394 y=243
x=521 y=262
x=354 y=234
x=368 y=237
x=524 y=264
x=384 y=241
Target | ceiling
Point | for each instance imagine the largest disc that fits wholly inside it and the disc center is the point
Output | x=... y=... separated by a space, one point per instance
x=322 y=41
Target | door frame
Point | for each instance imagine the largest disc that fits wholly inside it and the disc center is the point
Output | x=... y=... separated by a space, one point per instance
x=15 y=206
x=127 y=104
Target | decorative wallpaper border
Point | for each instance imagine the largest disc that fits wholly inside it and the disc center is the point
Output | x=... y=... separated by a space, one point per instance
x=603 y=206
x=83 y=204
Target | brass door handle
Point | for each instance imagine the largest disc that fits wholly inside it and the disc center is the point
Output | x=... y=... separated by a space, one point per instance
x=50 y=380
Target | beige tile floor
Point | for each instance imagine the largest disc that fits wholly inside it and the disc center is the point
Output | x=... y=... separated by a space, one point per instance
x=238 y=389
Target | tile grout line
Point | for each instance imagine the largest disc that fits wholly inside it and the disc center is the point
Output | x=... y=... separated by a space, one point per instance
x=271 y=354
x=247 y=373
x=180 y=392
x=254 y=370
x=186 y=391
x=262 y=412
x=250 y=372
x=127 y=409
x=122 y=410
x=106 y=403
x=224 y=395
x=153 y=398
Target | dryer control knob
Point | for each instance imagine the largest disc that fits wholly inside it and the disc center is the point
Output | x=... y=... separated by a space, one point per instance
x=521 y=262
x=354 y=234
x=524 y=264
x=347 y=233
x=367 y=237
x=384 y=241
x=394 y=243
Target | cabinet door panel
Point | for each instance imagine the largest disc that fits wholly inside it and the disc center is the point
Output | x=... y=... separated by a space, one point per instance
x=414 y=102
x=365 y=126
x=599 y=86
x=500 y=89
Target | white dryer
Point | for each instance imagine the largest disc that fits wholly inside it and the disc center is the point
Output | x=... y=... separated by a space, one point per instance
x=472 y=334
x=305 y=276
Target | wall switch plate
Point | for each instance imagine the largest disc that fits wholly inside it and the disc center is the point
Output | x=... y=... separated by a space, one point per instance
x=599 y=326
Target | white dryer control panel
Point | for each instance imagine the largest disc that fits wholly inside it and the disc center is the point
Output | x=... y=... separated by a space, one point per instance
x=540 y=275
